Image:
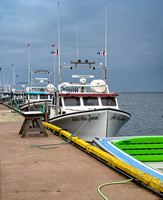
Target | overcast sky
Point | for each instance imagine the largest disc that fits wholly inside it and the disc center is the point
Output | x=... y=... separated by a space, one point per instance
x=135 y=39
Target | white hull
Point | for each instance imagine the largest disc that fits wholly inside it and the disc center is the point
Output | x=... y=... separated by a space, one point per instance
x=100 y=123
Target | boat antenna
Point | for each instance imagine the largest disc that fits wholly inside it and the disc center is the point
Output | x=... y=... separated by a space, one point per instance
x=77 y=43
x=106 y=32
x=59 y=63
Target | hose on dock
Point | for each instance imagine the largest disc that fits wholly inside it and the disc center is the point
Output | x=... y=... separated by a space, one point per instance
x=112 y=183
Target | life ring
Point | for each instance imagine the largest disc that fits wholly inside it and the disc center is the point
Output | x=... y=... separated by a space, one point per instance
x=41 y=90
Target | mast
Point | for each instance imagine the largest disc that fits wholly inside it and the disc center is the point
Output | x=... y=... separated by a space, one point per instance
x=77 y=44
x=106 y=32
x=13 y=68
x=54 y=65
x=59 y=46
x=29 y=66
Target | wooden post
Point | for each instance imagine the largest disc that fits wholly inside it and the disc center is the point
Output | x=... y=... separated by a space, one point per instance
x=57 y=103
x=28 y=105
x=34 y=106
x=46 y=111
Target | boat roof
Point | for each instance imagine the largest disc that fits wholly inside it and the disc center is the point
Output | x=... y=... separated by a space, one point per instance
x=87 y=95
x=37 y=93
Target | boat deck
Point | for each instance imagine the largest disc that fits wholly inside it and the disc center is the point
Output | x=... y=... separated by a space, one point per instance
x=54 y=173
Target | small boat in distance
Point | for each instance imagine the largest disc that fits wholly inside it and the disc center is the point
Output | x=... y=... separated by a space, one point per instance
x=87 y=110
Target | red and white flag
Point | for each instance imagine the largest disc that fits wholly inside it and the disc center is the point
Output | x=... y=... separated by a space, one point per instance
x=56 y=52
x=53 y=45
x=102 y=53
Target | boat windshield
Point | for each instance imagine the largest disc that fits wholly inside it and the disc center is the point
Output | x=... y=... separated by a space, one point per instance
x=33 y=96
x=108 y=101
x=43 y=96
x=72 y=101
x=90 y=101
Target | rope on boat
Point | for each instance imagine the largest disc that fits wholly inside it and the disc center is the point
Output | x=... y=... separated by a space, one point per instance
x=75 y=134
x=112 y=183
x=47 y=146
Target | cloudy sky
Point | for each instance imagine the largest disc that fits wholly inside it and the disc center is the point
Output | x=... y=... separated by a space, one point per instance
x=135 y=39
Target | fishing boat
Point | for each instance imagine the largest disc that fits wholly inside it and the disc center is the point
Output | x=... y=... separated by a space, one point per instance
x=36 y=98
x=37 y=95
x=5 y=96
x=87 y=109
x=144 y=153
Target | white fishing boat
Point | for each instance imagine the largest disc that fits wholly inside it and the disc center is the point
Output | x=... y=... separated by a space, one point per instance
x=88 y=110
x=36 y=95
x=5 y=96
x=36 y=98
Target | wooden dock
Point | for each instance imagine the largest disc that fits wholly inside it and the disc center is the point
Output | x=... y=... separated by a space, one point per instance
x=62 y=173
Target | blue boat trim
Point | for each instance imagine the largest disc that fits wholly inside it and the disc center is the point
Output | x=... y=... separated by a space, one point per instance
x=107 y=146
x=36 y=93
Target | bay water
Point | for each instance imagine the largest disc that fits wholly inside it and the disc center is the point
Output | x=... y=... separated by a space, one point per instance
x=146 y=111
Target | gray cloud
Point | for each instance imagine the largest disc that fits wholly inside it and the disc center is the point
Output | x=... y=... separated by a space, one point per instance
x=135 y=38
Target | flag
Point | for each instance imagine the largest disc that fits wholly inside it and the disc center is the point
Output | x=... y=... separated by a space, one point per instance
x=56 y=52
x=102 y=53
x=53 y=45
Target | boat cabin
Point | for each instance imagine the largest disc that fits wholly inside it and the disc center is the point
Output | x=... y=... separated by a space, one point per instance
x=38 y=96
x=35 y=94
x=76 y=102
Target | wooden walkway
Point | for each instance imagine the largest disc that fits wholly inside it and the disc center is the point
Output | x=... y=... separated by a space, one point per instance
x=7 y=115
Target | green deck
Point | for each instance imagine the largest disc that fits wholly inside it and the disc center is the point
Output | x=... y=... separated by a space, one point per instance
x=145 y=148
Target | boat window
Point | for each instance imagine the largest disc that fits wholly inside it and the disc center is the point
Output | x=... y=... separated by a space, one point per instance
x=108 y=101
x=60 y=102
x=72 y=101
x=90 y=101
x=33 y=96
x=43 y=96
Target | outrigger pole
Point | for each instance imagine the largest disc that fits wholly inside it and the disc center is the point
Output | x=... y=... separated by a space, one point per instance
x=106 y=32
x=29 y=67
x=28 y=64
x=59 y=62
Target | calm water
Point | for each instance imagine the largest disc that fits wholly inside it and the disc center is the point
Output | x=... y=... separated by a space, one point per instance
x=146 y=111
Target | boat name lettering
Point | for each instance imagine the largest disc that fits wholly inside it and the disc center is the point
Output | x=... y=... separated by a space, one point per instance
x=84 y=118
x=118 y=117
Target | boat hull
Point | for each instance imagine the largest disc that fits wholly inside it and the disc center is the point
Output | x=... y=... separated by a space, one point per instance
x=100 y=123
x=152 y=168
